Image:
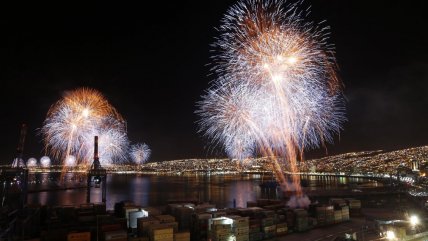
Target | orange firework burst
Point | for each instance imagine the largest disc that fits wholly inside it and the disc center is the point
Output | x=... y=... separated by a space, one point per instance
x=72 y=122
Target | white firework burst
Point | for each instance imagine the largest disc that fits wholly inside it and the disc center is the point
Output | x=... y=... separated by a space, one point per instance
x=140 y=153
x=276 y=89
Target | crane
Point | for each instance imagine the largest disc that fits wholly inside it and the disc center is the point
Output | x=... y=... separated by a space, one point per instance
x=18 y=161
x=14 y=179
x=96 y=174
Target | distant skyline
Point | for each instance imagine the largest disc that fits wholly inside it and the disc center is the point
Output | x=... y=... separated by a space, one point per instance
x=150 y=61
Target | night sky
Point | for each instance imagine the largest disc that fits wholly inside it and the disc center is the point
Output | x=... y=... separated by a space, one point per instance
x=150 y=61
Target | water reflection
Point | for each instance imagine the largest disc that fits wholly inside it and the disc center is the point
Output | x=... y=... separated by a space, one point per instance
x=154 y=190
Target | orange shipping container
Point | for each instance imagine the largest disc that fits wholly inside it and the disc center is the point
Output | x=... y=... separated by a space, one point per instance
x=83 y=236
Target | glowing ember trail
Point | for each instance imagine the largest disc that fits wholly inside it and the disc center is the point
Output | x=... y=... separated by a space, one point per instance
x=276 y=91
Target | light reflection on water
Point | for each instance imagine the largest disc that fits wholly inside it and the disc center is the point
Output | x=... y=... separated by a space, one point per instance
x=154 y=190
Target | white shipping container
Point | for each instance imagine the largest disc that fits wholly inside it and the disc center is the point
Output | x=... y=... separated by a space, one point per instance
x=133 y=216
x=129 y=210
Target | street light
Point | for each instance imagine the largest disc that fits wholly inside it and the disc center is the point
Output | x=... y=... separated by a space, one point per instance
x=414 y=220
x=97 y=181
x=390 y=235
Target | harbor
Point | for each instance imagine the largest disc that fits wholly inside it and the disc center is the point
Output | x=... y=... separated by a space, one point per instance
x=217 y=209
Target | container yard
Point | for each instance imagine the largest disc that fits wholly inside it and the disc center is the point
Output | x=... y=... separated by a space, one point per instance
x=260 y=220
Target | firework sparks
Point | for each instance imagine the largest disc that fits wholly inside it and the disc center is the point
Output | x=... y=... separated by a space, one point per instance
x=74 y=120
x=276 y=90
x=227 y=118
x=32 y=162
x=70 y=161
x=113 y=145
x=140 y=153
x=45 y=161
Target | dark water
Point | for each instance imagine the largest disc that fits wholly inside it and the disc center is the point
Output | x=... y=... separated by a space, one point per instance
x=155 y=190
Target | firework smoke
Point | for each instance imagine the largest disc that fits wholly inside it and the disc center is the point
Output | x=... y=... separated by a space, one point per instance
x=276 y=91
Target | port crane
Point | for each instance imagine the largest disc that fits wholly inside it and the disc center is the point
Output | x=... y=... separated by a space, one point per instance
x=97 y=175
x=14 y=179
x=19 y=161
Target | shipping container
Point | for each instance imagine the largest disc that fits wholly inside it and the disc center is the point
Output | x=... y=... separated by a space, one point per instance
x=128 y=210
x=256 y=236
x=254 y=228
x=345 y=213
x=133 y=216
x=170 y=208
x=239 y=221
x=301 y=221
x=165 y=218
x=337 y=216
x=267 y=222
x=245 y=237
x=161 y=232
x=143 y=225
x=183 y=216
x=205 y=207
x=81 y=236
x=199 y=226
x=120 y=235
x=100 y=208
x=281 y=229
x=251 y=204
x=152 y=211
x=337 y=202
x=138 y=239
x=182 y=236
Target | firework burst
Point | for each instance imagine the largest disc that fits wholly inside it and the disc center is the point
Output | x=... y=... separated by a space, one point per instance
x=113 y=144
x=276 y=90
x=70 y=161
x=45 y=161
x=140 y=153
x=32 y=162
x=74 y=120
x=227 y=116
